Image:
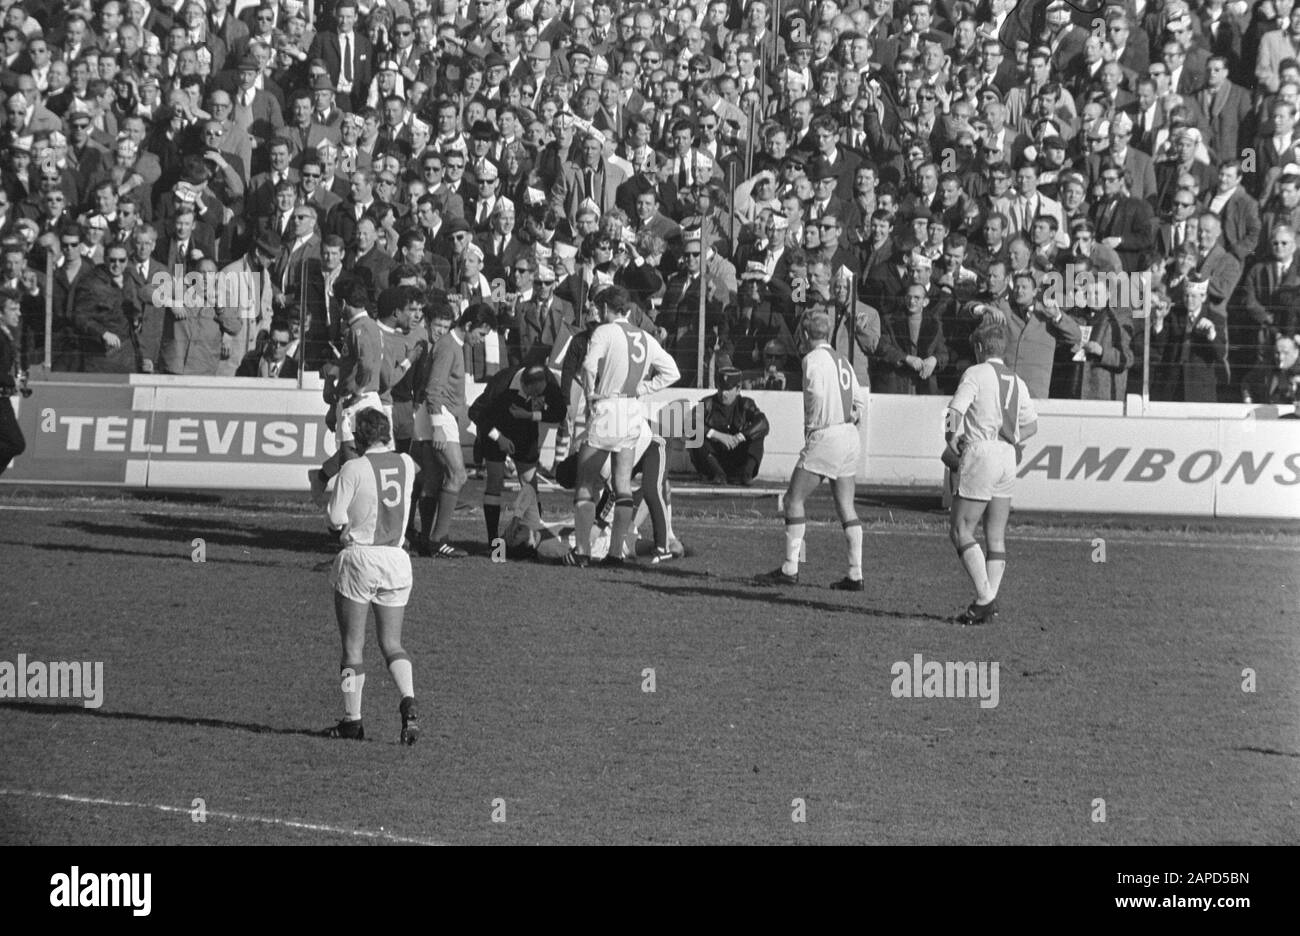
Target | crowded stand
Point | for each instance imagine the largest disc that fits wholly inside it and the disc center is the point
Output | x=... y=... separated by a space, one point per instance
x=227 y=188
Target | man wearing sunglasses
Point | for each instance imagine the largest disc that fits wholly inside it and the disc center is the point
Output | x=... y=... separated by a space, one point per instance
x=274 y=360
x=105 y=312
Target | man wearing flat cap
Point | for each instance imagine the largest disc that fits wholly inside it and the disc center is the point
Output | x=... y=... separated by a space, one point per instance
x=735 y=428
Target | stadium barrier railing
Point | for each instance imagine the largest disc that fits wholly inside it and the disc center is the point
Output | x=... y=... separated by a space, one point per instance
x=158 y=432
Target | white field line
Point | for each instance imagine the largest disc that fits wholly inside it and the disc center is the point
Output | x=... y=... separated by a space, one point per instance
x=937 y=530
x=233 y=817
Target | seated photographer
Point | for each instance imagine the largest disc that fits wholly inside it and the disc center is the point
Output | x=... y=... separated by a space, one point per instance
x=734 y=433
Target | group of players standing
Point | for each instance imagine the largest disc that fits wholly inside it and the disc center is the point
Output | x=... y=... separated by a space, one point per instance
x=368 y=484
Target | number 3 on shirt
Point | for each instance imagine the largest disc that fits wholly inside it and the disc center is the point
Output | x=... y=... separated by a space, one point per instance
x=637 y=352
x=636 y=349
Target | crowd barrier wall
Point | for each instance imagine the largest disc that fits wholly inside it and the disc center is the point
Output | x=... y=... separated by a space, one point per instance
x=142 y=431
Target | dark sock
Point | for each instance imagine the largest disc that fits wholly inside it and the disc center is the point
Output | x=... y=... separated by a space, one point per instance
x=492 y=514
x=604 y=509
x=428 y=508
x=446 y=508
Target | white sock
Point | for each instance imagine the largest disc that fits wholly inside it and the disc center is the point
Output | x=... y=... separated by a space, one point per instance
x=995 y=564
x=353 y=680
x=972 y=557
x=853 y=533
x=794 y=530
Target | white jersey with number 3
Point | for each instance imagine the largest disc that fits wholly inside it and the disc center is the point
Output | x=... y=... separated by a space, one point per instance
x=624 y=361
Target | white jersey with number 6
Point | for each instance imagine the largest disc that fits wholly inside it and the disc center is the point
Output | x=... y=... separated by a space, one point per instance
x=831 y=392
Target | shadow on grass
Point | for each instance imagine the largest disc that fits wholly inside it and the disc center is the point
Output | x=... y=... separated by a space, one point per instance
x=1274 y=752
x=787 y=599
x=36 y=708
x=179 y=555
x=213 y=532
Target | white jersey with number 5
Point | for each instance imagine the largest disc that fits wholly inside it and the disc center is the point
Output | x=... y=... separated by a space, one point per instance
x=624 y=361
x=992 y=403
x=372 y=498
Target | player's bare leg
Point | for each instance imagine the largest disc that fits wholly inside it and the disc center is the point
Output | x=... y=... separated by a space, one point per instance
x=590 y=462
x=802 y=484
x=963 y=521
x=847 y=512
x=388 y=624
x=352 y=633
x=995 y=541
x=652 y=486
x=450 y=459
x=624 y=461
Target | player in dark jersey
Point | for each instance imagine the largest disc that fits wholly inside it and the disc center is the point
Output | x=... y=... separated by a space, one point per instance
x=508 y=414
x=370 y=502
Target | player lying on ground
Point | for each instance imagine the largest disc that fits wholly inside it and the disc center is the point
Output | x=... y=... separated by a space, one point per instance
x=370 y=501
x=623 y=364
x=989 y=417
x=509 y=414
x=833 y=403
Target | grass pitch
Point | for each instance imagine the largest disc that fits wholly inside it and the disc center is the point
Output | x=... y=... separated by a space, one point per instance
x=1119 y=681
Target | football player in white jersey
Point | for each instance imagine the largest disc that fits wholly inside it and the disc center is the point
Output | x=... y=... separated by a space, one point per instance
x=833 y=404
x=370 y=502
x=623 y=364
x=989 y=418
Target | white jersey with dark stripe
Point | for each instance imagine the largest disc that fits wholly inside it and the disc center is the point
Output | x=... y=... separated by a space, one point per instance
x=372 y=499
x=991 y=403
x=831 y=391
x=624 y=361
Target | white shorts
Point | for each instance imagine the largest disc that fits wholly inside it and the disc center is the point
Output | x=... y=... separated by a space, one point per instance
x=373 y=575
x=345 y=423
x=615 y=424
x=988 y=470
x=832 y=452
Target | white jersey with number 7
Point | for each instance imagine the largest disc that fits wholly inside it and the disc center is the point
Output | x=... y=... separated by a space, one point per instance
x=991 y=403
